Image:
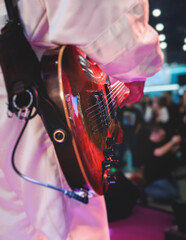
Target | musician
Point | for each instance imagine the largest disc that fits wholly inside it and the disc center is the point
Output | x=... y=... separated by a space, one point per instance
x=117 y=36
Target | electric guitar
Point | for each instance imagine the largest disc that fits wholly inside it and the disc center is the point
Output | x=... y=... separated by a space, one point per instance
x=79 y=112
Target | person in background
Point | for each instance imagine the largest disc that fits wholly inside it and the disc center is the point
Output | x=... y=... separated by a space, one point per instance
x=159 y=161
x=130 y=119
x=157 y=111
x=117 y=36
x=144 y=103
x=173 y=110
x=182 y=126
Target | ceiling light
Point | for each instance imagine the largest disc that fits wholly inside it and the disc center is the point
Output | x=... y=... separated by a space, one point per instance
x=184 y=40
x=156 y=12
x=159 y=27
x=162 y=37
x=163 y=45
x=184 y=47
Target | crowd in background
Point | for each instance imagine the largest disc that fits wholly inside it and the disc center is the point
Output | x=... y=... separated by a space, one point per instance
x=154 y=143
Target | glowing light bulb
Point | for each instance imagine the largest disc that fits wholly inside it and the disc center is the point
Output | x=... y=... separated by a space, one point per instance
x=156 y=12
x=184 y=47
x=159 y=27
x=162 y=37
x=163 y=45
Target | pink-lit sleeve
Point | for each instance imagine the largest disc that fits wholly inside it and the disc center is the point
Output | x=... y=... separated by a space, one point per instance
x=115 y=34
x=129 y=49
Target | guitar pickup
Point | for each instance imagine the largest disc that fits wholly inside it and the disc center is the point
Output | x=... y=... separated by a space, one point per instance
x=99 y=115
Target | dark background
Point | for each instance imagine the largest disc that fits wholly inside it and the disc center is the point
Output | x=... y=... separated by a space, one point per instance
x=173 y=17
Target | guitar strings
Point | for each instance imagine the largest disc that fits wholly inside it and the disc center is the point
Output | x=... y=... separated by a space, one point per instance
x=114 y=93
x=106 y=96
x=109 y=102
x=102 y=107
x=109 y=99
x=96 y=127
x=118 y=90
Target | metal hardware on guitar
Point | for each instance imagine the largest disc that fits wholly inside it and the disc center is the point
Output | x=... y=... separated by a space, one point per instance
x=110 y=163
x=59 y=135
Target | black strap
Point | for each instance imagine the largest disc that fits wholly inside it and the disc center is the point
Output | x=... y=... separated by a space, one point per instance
x=19 y=64
x=12 y=11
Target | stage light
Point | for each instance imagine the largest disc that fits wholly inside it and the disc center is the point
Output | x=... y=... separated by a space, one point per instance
x=163 y=45
x=184 y=40
x=159 y=27
x=184 y=47
x=162 y=37
x=156 y=12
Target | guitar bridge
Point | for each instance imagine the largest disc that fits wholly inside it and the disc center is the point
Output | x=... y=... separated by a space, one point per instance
x=98 y=113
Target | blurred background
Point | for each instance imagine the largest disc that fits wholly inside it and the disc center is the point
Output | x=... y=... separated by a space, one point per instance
x=152 y=168
x=153 y=152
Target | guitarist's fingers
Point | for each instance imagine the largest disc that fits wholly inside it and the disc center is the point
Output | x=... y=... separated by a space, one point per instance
x=136 y=92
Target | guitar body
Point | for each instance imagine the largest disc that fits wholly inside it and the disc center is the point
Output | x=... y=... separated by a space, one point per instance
x=80 y=116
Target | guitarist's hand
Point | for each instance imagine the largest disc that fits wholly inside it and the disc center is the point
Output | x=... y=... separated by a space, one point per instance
x=136 y=92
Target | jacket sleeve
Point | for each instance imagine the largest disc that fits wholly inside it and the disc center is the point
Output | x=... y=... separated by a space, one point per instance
x=115 y=34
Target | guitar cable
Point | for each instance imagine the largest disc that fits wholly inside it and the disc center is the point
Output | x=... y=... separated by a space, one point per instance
x=70 y=194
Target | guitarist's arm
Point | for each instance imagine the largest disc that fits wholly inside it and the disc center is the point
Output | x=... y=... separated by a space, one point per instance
x=111 y=33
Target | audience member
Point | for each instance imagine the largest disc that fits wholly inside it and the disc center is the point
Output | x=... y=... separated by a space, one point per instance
x=173 y=109
x=131 y=122
x=145 y=102
x=157 y=139
x=159 y=161
x=157 y=111
x=182 y=125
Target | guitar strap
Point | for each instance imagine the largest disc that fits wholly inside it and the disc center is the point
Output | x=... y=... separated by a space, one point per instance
x=11 y=7
x=20 y=66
